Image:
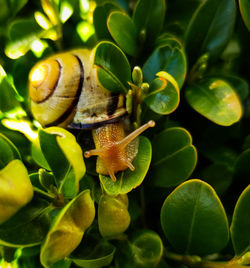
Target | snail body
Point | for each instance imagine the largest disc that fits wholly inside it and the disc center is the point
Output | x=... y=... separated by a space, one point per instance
x=64 y=91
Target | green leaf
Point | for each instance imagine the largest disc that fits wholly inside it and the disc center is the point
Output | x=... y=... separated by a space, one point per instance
x=17 y=5
x=28 y=227
x=68 y=229
x=93 y=253
x=20 y=141
x=68 y=166
x=51 y=10
x=242 y=169
x=127 y=40
x=71 y=150
x=100 y=17
x=203 y=228
x=210 y=28
x=238 y=84
x=65 y=263
x=143 y=250
x=163 y=95
x=16 y=26
x=5 y=11
x=128 y=180
x=246 y=144
x=240 y=224
x=22 y=33
x=113 y=68
x=245 y=12
x=34 y=179
x=113 y=215
x=149 y=17
x=37 y=154
x=46 y=179
x=172 y=149
x=9 y=96
x=50 y=148
x=167 y=39
x=216 y=100
x=215 y=151
x=169 y=59
x=219 y=176
x=8 y=151
x=21 y=68
x=15 y=189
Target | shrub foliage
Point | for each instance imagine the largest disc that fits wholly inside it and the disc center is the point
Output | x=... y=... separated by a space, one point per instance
x=184 y=64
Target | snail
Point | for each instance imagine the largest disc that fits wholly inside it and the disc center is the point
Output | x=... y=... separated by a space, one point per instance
x=64 y=91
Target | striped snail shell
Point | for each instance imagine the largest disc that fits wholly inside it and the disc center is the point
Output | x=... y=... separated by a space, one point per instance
x=64 y=91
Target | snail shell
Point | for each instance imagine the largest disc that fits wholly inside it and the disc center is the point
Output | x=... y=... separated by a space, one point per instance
x=65 y=91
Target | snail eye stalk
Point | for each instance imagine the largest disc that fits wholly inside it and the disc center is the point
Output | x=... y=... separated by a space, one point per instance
x=113 y=153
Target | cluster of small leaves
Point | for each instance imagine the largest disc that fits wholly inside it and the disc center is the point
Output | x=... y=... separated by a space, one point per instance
x=56 y=211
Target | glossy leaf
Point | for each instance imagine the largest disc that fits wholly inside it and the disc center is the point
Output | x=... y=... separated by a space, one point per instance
x=59 y=142
x=100 y=18
x=238 y=84
x=128 y=180
x=68 y=229
x=143 y=250
x=203 y=228
x=113 y=68
x=245 y=12
x=8 y=151
x=113 y=215
x=216 y=100
x=126 y=39
x=163 y=94
x=15 y=189
x=169 y=59
x=172 y=149
x=149 y=17
x=28 y=227
x=210 y=28
x=240 y=224
x=93 y=253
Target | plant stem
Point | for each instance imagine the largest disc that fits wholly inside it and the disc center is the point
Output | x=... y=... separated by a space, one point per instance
x=197 y=262
x=43 y=194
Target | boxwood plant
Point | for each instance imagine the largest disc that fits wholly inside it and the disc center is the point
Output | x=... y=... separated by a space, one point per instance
x=183 y=64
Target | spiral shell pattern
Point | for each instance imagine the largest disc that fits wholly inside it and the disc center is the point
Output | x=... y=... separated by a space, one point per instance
x=64 y=90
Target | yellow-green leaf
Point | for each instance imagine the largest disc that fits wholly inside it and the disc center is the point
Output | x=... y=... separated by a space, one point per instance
x=68 y=166
x=68 y=229
x=216 y=100
x=71 y=149
x=15 y=189
x=113 y=215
